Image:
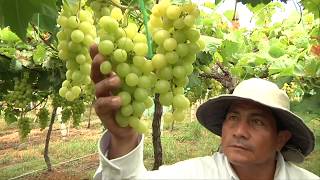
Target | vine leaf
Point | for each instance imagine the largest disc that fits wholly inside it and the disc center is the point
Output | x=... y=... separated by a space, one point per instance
x=17 y=14
x=312 y=6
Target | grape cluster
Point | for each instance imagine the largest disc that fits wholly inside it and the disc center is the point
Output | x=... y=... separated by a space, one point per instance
x=124 y=49
x=43 y=116
x=293 y=91
x=24 y=126
x=76 y=34
x=178 y=42
x=21 y=95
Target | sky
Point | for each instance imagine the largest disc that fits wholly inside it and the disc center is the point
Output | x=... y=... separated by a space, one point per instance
x=245 y=14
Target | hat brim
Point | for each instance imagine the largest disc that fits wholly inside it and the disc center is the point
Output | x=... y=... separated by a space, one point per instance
x=211 y=115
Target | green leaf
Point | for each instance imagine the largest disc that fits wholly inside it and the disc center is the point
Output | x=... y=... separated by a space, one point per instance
x=229 y=14
x=312 y=6
x=39 y=54
x=308 y=108
x=8 y=36
x=283 y=67
x=17 y=14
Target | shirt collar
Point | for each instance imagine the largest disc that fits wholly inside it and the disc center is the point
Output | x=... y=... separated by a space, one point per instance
x=280 y=172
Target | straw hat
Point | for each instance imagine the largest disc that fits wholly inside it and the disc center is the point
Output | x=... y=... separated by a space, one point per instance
x=211 y=114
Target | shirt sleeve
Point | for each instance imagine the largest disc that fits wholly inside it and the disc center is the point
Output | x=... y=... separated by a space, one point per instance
x=128 y=166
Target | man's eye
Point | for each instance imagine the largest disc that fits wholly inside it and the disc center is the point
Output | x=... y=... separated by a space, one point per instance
x=258 y=122
x=233 y=117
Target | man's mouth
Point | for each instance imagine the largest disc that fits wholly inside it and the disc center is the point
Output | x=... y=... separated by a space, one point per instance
x=239 y=146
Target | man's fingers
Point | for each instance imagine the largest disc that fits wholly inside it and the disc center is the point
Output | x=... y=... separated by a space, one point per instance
x=96 y=75
x=106 y=105
x=104 y=86
x=93 y=50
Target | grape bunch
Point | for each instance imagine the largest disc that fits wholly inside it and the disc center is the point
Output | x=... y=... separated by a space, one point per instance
x=21 y=95
x=178 y=42
x=76 y=34
x=24 y=126
x=43 y=116
x=124 y=50
x=293 y=91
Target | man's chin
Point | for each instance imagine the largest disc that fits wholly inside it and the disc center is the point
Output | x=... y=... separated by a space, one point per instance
x=237 y=158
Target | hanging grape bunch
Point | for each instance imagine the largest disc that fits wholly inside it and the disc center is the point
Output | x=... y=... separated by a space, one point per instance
x=77 y=33
x=178 y=42
x=21 y=95
x=124 y=50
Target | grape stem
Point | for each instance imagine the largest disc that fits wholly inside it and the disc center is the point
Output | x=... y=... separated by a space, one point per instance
x=42 y=38
x=122 y=7
x=224 y=78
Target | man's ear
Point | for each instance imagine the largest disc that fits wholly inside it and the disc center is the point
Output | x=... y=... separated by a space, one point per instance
x=283 y=138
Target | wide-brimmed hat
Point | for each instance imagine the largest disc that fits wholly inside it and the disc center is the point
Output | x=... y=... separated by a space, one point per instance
x=211 y=114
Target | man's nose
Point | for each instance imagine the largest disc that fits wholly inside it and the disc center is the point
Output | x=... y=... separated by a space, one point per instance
x=241 y=129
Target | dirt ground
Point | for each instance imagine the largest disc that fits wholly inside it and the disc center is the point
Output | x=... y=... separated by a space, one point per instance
x=10 y=142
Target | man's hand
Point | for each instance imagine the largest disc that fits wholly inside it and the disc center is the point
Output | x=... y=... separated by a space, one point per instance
x=123 y=140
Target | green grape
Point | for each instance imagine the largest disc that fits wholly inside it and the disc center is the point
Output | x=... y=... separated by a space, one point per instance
x=189 y=20
x=182 y=50
x=147 y=67
x=76 y=90
x=165 y=73
x=125 y=98
x=144 y=82
x=162 y=86
x=179 y=36
x=179 y=24
x=121 y=120
x=180 y=101
x=120 y=55
x=126 y=110
x=138 y=61
x=123 y=69
x=159 y=61
x=106 y=47
x=140 y=38
x=178 y=115
x=135 y=70
x=140 y=49
x=179 y=72
x=77 y=36
x=85 y=69
x=138 y=108
x=166 y=98
x=132 y=79
x=170 y=44
x=116 y=13
x=81 y=59
x=105 y=67
x=108 y=24
x=173 y=12
x=125 y=43
x=193 y=35
x=140 y=94
x=160 y=36
x=172 y=57
x=63 y=91
x=148 y=102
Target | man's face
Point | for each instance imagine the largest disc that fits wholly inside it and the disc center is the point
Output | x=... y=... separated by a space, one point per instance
x=249 y=134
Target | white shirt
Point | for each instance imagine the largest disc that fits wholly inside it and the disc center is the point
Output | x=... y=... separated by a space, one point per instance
x=217 y=166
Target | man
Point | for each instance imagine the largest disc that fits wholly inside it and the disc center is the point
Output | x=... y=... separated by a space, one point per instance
x=260 y=136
